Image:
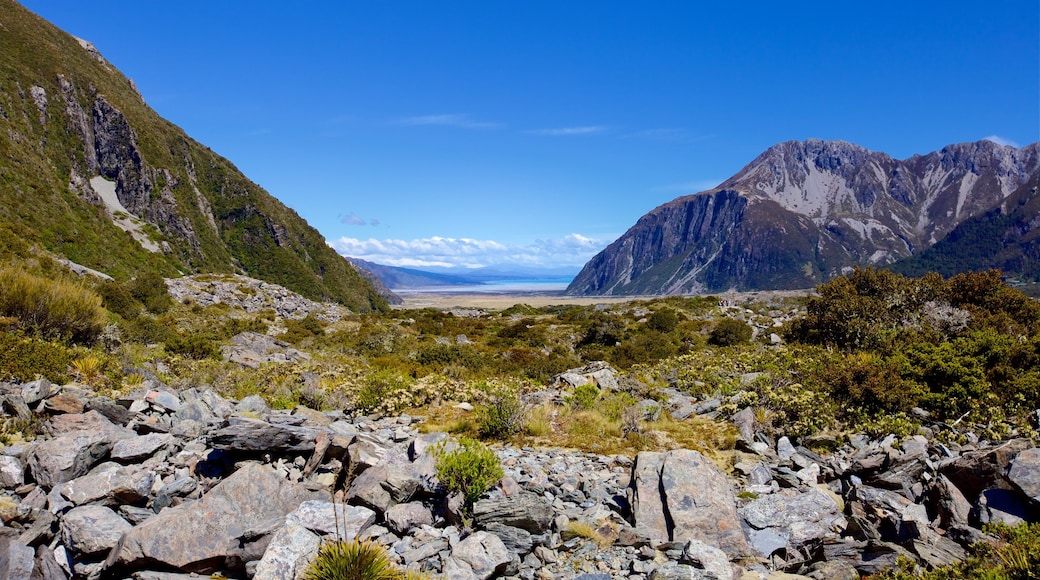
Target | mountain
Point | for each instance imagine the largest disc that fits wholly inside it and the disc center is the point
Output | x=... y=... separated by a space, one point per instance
x=803 y=212
x=1007 y=237
x=101 y=179
x=397 y=277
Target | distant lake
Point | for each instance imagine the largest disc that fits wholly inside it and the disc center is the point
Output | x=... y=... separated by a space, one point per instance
x=495 y=287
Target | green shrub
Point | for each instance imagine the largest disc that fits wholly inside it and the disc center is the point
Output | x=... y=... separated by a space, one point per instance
x=24 y=359
x=194 y=346
x=378 y=389
x=504 y=414
x=584 y=396
x=51 y=309
x=356 y=560
x=1014 y=556
x=306 y=327
x=150 y=289
x=663 y=320
x=470 y=468
x=729 y=332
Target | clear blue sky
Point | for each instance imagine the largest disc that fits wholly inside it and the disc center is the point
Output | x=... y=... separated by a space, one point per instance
x=539 y=131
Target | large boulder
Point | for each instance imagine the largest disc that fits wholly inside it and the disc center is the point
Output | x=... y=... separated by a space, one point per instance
x=696 y=501
x=483 y=554
x=92 y=529
x=82 y=441
x=524 y=510
x=199 y=536
x=790 y=519
x=1024 y=473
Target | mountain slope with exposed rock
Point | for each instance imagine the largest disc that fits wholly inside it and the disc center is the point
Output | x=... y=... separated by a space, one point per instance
x=98 y=177
x=804 y=212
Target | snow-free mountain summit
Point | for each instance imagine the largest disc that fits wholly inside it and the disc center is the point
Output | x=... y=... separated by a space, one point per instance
x=803 y=212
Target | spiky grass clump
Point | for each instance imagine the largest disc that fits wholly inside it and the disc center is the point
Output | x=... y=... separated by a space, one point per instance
x=356 y=560
x=51 y=309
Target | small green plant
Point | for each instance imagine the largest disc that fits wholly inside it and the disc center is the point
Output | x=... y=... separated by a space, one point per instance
x=356 y=560
x=504 y=414
x=469 y=467
x=195 y=346
x=584 y=396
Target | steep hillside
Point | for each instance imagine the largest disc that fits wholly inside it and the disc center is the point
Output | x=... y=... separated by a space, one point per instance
x=804 y=212
x=103 y=180
x=1006 y=237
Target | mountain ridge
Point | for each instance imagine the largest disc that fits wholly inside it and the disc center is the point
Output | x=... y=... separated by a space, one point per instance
x=75 y=127
x=803 y=212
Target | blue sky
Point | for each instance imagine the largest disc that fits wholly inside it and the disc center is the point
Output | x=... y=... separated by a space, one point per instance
x=474 y=133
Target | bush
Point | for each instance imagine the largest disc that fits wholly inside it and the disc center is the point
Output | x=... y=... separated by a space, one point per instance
x=150 y=289
x=469 y=468
x=1015 y=555
x=195 y=346
x=51 y=309
x=378 y=390
x=356 y=560
x=504 y=415
x=24 y=359
x=584 y=396
x=729 y=332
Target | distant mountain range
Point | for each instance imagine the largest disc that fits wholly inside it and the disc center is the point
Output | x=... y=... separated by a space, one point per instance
x=91 y=173
x=398 y=278
x=805 y=211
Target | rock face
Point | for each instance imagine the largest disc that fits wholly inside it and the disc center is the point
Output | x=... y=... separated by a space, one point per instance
x=206 y=215
x=801 y=213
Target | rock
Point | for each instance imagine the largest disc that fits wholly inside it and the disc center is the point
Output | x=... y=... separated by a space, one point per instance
x=401 y=518
x=256 y=436
x=517 y=540
x=197 y=536
x=1002 y=505
x=524 y=510
x=12 y=472
x=253 y=404
x=604 y=379
x=92 y=529
x=674 y=571
x=485 y=554
x=710 y=561
x=84 y=441
x=798 y=518
x=701 y=502
x=47 y=567
x=384 y=485
x=366 y=451
x=975 y=471
x=37 y=390
x=327 y=518
x=646 y=498
x=745 y=422
x=950 y=503
x=16 y=560
x=1024 y=473
x=109 y=481
x=138 y=448
x=288 y=555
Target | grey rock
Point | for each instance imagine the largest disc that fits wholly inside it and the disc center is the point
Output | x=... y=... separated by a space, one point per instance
x=701 y=502
x=47 y=567
x=12 y=472
x=253 y=404
x=799 y=517
x=16 y=560
x=401 y=518
x=92 y=529
x=953 y=508
x=524 y=510
x=784 y=448
x=645 y=496
x=109 y=481
x=35 y=391
x=1024 y=473
x=517 y=540
x=710 y=561
x=367 y=451
x=604 y=379
x=485 y=554
x=674 y=571
x=975 y=471
x=137 y=448
x=197 y=536
x=252 y=435
x=288 y=555
x=1003 y=506
x=87 y=441
x=327 y=518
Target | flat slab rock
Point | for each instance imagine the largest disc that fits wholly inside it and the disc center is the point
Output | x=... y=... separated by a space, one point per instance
x=197 y=536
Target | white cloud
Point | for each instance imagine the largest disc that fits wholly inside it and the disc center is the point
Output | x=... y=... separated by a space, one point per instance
x=1001 y=141
x=450 y=120
x=568 y=131
x=569 y=250
x=354 y=220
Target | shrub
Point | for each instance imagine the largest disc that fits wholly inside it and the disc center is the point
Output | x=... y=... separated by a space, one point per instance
x=194 y=346
x=663 y=320
x=1014 y=556
x=356 y=560
x=584 y=396
x=470 y=468
x=504 y=414
x=378 y=390
x=730 y=331
x=150 y=289
x=51 y=309
x=24 y=359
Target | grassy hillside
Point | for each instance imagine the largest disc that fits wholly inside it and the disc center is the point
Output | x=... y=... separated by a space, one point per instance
x=68 y=116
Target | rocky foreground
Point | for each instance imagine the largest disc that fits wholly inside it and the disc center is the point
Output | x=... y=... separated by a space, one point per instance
x=164 y=485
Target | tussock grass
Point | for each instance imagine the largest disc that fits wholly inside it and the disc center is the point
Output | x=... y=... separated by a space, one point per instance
x=51 y=309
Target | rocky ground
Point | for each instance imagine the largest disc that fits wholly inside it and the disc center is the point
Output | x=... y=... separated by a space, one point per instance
x=161 y=485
